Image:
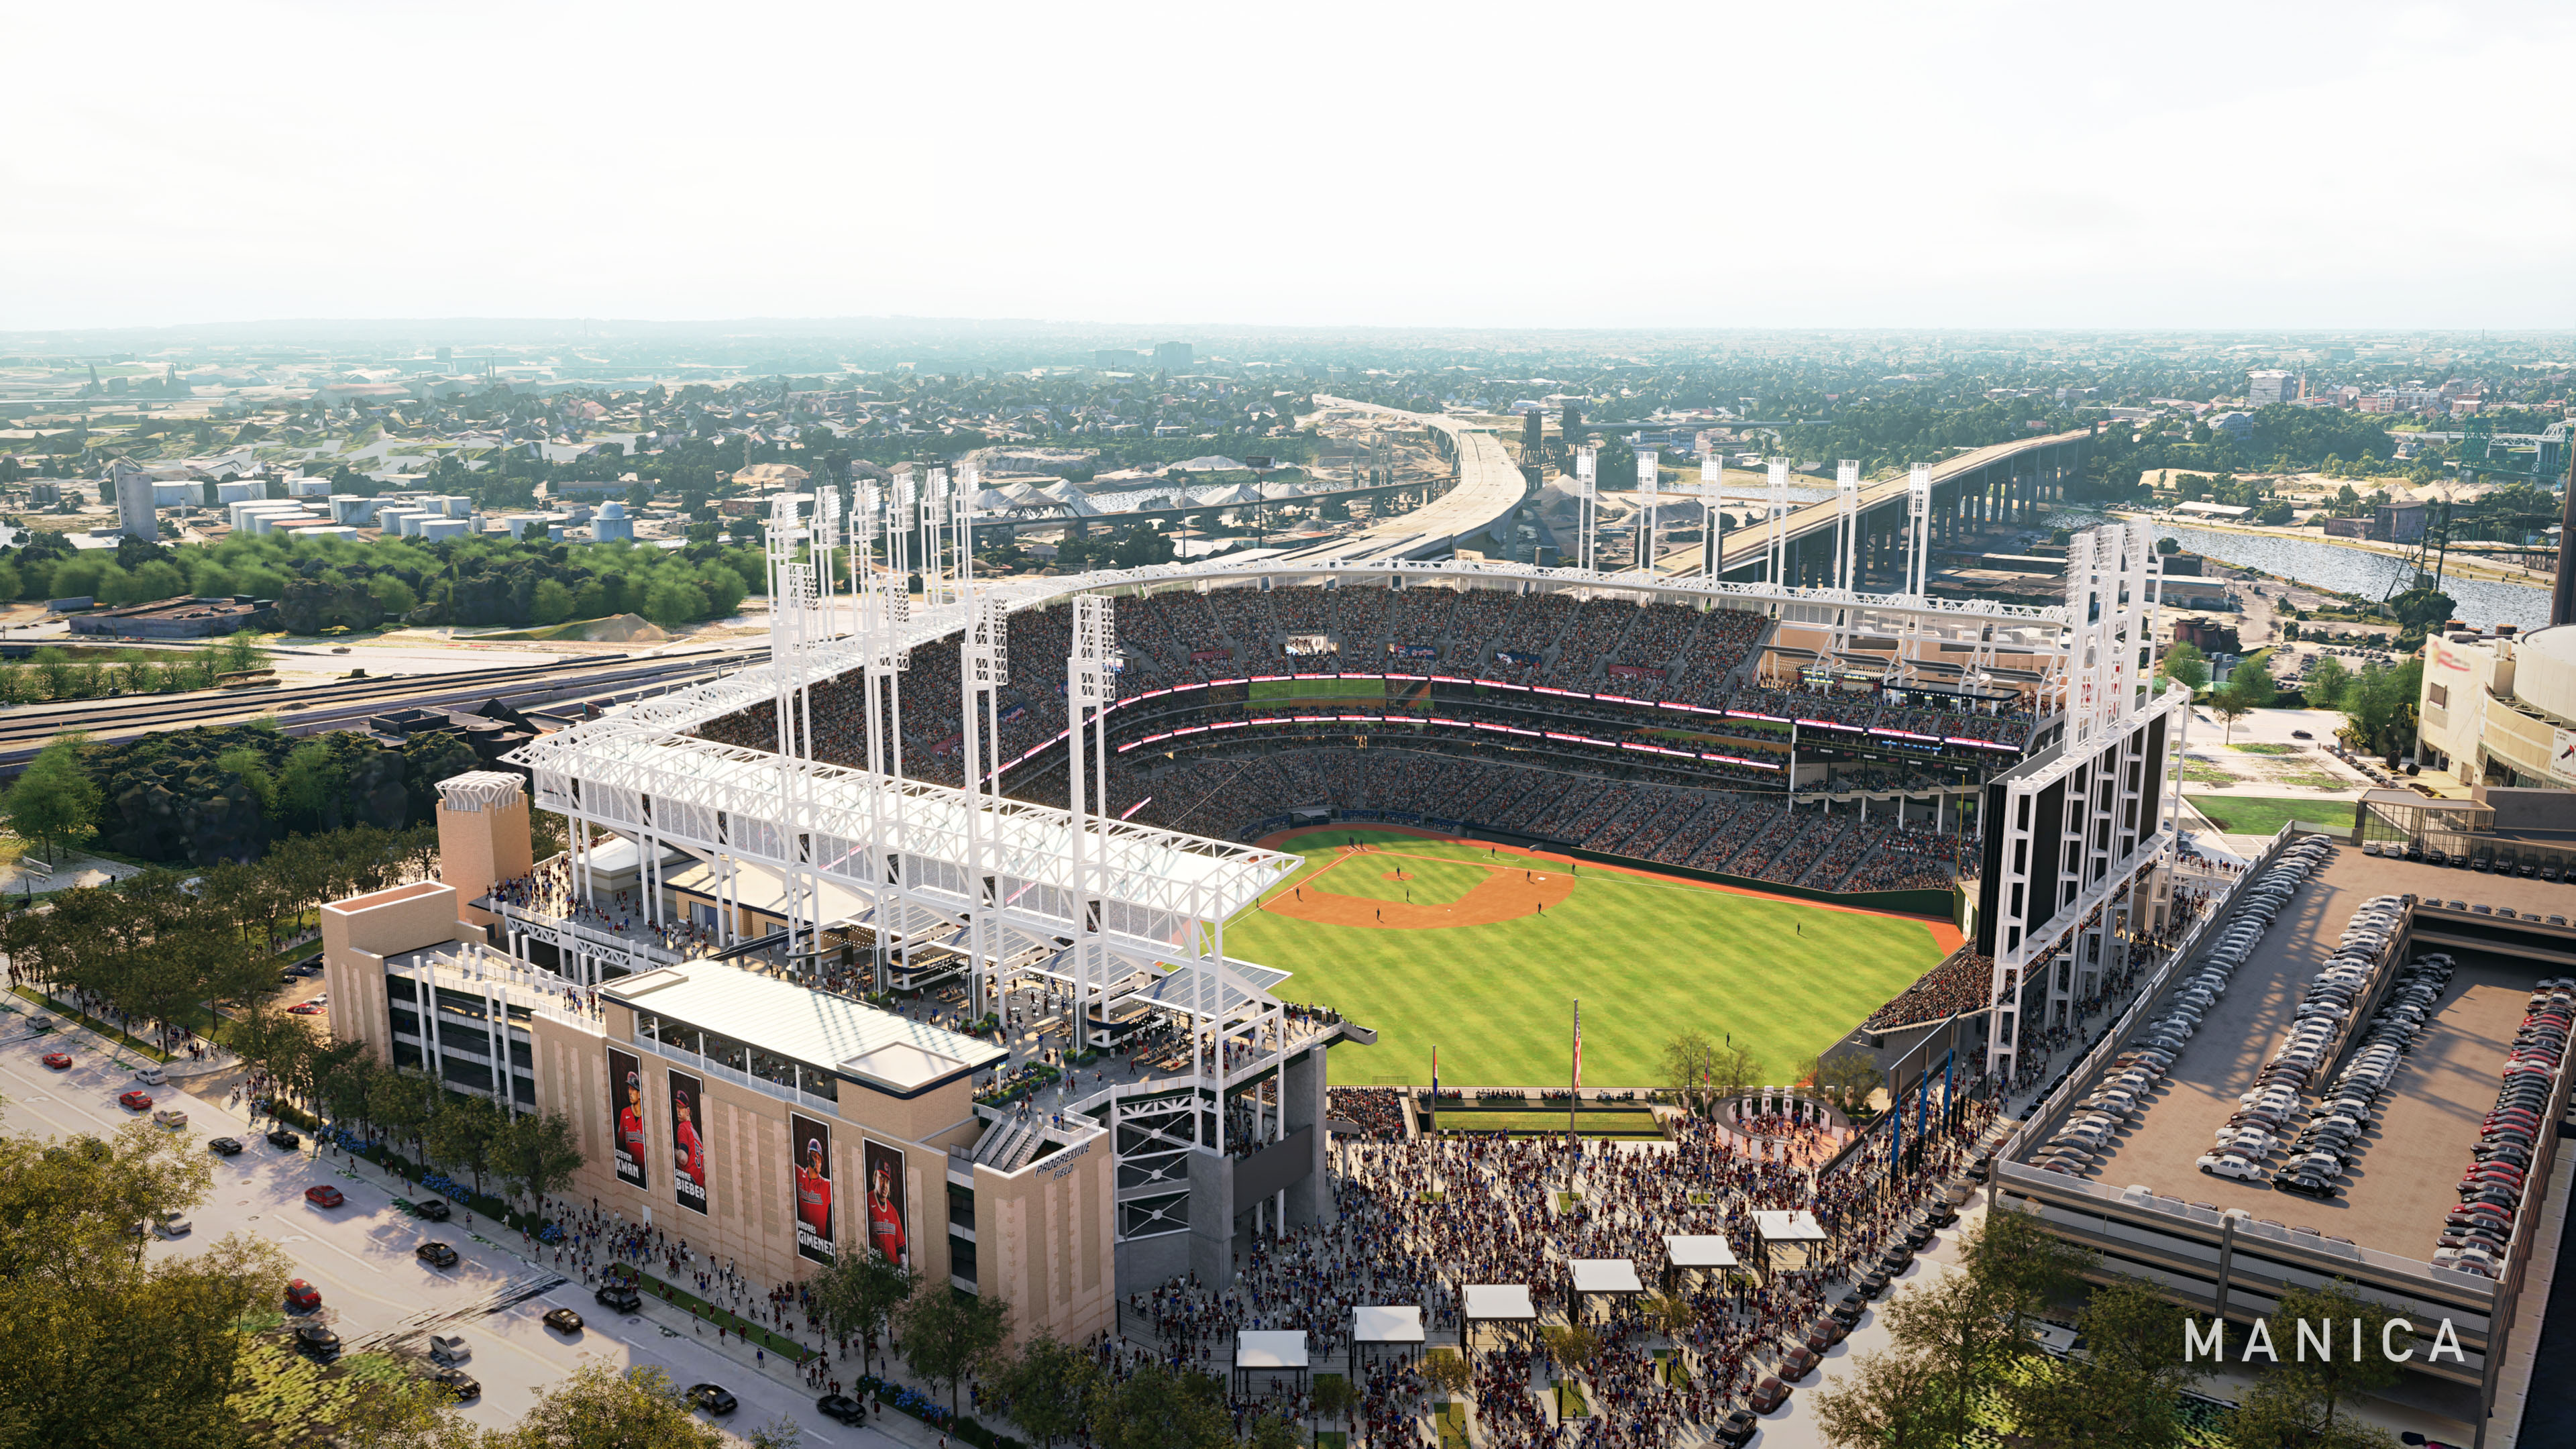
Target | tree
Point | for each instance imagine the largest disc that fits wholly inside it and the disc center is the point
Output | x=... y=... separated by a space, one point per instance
x=1958 y=1333
x=537 y=1155
x=2300 y=1400
x=2126 y=1385
x=598 y=1407
x=55 y=801
x=947 y=1333
x=2230 y=706
x=2252 y=682
x=462 y=1136
x=103 y=1347
x=402 y=1103
x=858 y=1293
x=241 y=652
x=2185 y=663
x=782 y=1432
x=1335 y=1396
x=1447 y=1370
x=1572 y=1346
x=2326 y=683
x=1159 y=1409
x=1849 y=1076
x=2022 y=1265
x=1891 y=1399
x=1047 y=1386
x=1689 y=1060
x=1274 y=1431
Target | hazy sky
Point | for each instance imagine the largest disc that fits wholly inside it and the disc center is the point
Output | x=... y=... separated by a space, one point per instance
x=2246 y=164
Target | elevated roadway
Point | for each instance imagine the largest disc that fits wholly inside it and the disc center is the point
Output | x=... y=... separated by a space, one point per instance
x=1488 y=489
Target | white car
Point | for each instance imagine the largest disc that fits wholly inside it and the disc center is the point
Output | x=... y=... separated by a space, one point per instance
x=2229 y=1164
x=152 y=1076
x=449 y=1348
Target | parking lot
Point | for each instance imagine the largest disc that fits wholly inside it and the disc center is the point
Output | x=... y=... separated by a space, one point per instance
x=376 y=1294
x=2399 y=1187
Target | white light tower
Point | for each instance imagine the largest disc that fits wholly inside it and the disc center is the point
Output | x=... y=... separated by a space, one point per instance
x=1846 y=524
x=983 y=668
x=1776 y=524
x=1712 y=488
x=1650 y=479
x=1087 y=695
x=1586 y=463
x=1918 y=511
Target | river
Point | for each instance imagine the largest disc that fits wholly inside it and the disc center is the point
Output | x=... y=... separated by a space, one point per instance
x=2344 y=570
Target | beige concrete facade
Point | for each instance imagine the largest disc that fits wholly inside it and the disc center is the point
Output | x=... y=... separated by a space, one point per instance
x=2500 y=709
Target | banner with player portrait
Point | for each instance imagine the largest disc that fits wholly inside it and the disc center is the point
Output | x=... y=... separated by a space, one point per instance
x=809 y=1147
x=626 y=1117
x=688 y=1142
x=884 y=1169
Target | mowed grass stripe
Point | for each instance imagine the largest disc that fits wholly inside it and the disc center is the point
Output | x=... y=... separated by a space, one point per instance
x=1432 y=882
x=1647 y=956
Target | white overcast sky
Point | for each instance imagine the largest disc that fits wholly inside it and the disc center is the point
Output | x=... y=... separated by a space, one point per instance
x=2248 y=164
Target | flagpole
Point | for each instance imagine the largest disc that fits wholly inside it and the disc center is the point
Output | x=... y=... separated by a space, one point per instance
x=1575 y=1100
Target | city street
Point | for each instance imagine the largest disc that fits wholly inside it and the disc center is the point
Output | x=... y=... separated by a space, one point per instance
x=375 y=1293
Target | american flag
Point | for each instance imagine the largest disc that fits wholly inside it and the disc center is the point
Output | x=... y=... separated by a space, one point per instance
x=1578 y=1044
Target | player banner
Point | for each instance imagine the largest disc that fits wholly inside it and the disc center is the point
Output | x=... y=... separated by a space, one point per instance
x=810 y=1146
x=688 y=1143
x=626 y=1117
x=885 y=1205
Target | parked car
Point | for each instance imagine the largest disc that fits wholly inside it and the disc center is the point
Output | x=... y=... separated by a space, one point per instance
x=1797 y=1361
x=302 y=1297
x=436 y=1255
x=619 y=1296
x=152 y=1076
x=459 y=1384
x=40 y=1023
x=1768 y=1395
x=135 y=1101
x=281 y=1137
x=563 y=1320
x=712 y=1398
x=319 y=1341
x=324 y=1195
x=173 y=1225
x=224 y=1146
x=449 y=1347
x=1738 y=1429
x=170 y=1117
x=434 y=1209
x=2228 y=1164
x=59 y=1061
x=841 y=1409
x=305 y=1008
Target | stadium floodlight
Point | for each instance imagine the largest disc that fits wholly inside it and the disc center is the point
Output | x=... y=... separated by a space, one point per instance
x=1918 y=511
x=1087 y=697
x=1650 y=479
x=1847 y=524
x=1587 y=463
x=1776 y=525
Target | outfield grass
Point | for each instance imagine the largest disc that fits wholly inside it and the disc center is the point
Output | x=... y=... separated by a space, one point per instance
x=1647 y=956
x=2266 y=814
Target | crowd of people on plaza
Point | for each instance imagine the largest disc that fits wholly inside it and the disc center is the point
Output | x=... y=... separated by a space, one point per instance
x=1414 y=1219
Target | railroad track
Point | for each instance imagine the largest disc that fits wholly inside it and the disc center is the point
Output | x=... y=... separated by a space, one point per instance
x=316 y=708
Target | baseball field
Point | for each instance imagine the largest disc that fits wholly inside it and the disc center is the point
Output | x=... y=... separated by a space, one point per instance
x=1481 y=952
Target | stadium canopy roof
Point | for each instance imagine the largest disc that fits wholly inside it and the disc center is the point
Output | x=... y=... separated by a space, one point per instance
x=1698 y=1251
x=1497 y=1303
x=818 y=1028
x=1797 y=1226
x=1267 y=1348
x=1379 y=1324
x=1604 y=1275
x=1211 y=463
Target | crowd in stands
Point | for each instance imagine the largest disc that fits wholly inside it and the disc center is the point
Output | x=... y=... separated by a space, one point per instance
x=1824 y=846
x=1377 y=1111
x=1564 y=642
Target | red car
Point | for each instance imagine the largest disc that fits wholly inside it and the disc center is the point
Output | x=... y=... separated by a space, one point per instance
x=324 y=1196
x=59 y=1061
x=134 y=1101
x=1769 y=1395
x=302 y=1297
x=304 y=1008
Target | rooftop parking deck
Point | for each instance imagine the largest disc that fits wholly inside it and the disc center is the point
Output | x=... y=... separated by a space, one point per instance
x=2400 y=1186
